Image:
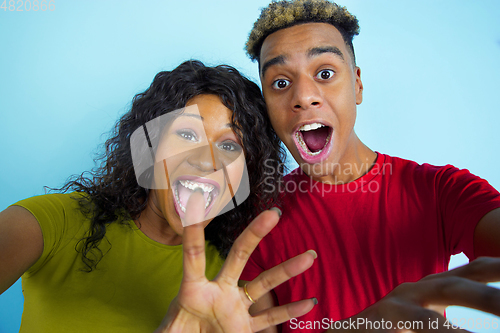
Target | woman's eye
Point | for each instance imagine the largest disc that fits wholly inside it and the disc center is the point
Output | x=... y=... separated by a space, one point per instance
x=325 y=74
x=187 y=134
x=281 y=84
x=229 y=146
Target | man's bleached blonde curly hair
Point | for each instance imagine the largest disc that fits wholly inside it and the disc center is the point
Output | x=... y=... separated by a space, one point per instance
x=286 y=13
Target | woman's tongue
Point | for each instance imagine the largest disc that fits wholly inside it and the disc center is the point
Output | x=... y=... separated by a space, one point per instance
x=315 y=139
x=185 y=193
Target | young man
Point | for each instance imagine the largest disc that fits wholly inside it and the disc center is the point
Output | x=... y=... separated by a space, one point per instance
x=375 y=221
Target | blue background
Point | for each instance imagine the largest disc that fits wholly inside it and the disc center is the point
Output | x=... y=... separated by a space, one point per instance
x=430 y=71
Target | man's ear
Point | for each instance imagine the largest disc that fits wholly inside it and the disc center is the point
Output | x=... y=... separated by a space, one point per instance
x=358 y=86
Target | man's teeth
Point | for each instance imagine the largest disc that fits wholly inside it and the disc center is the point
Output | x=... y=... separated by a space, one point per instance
x=304 y=146
x=306 y=128
x=310 y=127
x=191 y=185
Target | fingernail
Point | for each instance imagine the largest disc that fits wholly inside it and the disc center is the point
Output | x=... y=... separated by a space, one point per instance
x=315 y=300
x=198 y=189
x=277 y=210
x=314 y=254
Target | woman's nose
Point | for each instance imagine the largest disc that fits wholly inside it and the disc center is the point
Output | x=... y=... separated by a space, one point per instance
x=202 y=158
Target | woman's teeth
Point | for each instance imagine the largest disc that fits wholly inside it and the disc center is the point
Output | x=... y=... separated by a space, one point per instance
x=192 y=185
x=189 y=184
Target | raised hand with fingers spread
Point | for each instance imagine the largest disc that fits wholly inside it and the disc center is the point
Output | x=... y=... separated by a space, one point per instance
x=220 y=305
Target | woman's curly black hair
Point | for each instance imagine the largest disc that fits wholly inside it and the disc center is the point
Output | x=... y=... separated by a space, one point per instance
x=112 y=192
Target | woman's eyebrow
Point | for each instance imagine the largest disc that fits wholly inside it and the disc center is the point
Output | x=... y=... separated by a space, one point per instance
x=197 y=116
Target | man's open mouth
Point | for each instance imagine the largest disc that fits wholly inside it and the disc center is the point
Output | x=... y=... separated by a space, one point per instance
x=185 y=186
x=313 y=141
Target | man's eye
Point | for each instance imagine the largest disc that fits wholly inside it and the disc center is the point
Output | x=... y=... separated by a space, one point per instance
x=187 y=134
x=281 y=84
x=229 y=145
x=325 y=74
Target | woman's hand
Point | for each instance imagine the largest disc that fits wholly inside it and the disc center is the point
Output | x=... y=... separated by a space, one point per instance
x=220 y=305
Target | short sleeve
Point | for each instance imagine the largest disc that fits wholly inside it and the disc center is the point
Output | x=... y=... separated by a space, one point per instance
x=463 y=200
x=59 y=218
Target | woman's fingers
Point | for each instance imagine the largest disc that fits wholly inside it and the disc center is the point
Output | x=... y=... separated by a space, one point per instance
x=245 y=244
x=280 y=314
x=275 y=276
x=193 y=239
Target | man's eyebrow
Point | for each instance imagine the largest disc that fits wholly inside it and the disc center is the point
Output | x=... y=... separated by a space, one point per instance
x=279 y=60
x=325 y=49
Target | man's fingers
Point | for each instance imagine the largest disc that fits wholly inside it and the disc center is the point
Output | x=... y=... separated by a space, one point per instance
x=462 y=292
x=397 y=316
x=193 y=239
x=463 y=286
x=275 y=276
x=418 y=320
x=280 y=314
x=246 y=243
x=484 y=269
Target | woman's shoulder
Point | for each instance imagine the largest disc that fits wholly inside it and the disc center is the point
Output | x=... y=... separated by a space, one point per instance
x=52 y=201
x=61 y=221
x=56 y=208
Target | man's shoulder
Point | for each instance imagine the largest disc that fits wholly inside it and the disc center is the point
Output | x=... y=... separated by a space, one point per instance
x=386 y=165
x=403 y=165
x=426 y=176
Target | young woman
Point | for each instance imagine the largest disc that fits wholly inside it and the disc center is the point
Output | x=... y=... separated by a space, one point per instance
x=107 y=254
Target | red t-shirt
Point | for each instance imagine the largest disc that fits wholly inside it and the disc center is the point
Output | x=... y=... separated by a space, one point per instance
x=398 y=223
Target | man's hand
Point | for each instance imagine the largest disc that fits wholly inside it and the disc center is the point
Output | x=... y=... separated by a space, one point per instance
x=425 y=300
x=220 y=305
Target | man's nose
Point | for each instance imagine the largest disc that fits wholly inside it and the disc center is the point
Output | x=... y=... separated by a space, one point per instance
x=306 y=94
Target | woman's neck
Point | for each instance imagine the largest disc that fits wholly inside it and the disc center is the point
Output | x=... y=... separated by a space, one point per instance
x=152 y=223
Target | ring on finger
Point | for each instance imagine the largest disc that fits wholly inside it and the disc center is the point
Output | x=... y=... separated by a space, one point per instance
x=248 y=295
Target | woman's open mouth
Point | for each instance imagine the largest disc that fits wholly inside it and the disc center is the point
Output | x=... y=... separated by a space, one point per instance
x=313 y=141
x=184 y=186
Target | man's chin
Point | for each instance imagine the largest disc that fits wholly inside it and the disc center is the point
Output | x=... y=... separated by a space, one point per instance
x=319 y=171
